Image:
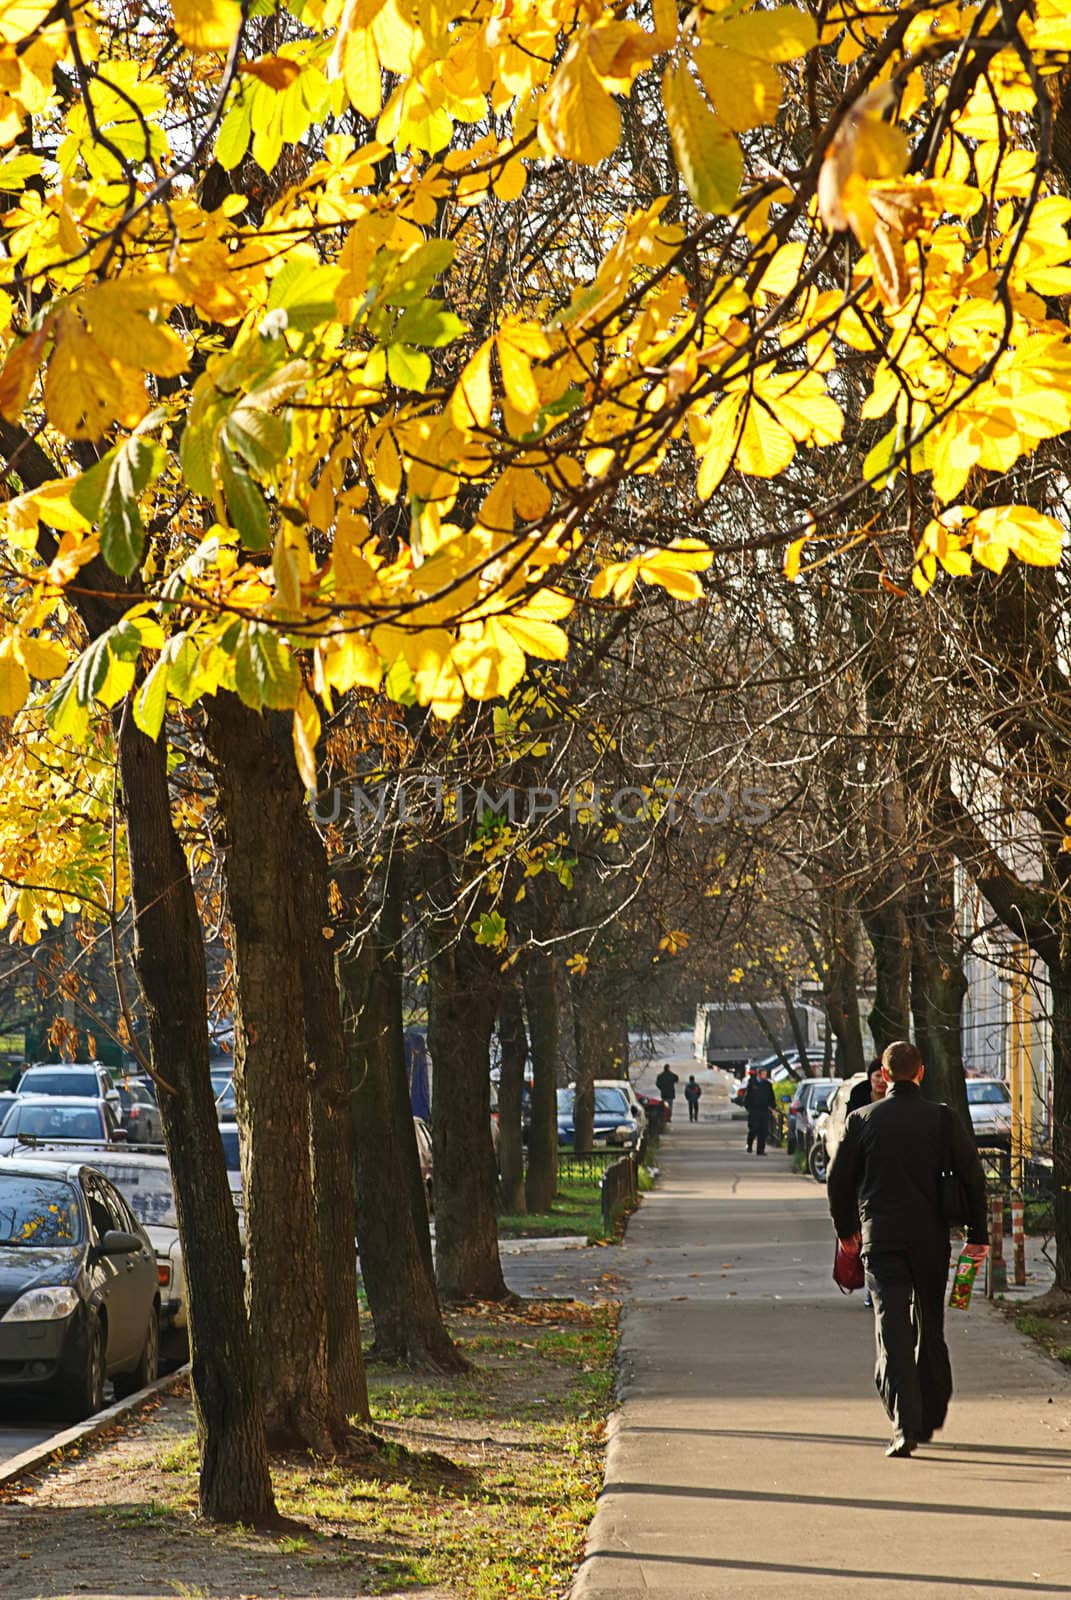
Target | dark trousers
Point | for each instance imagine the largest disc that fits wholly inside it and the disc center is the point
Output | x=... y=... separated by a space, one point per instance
x=913 y=1373
x=756 y=1131
x=693 y=1111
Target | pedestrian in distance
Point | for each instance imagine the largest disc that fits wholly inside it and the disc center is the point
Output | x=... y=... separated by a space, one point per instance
x=884 y=1188
x=692 y=1091
x=761 y=1102
x=666 y=1083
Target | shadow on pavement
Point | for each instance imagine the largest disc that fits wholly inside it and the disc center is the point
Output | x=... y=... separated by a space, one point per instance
x=799 y=1570
x=841 y=1502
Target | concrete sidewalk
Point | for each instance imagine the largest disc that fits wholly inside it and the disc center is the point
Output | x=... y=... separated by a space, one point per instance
x=746 y=1456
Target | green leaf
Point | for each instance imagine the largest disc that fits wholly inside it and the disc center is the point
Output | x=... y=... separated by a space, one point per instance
x=195 y=456
x=399 y=685
x=150 y=702
x=246 y=506
x=408 y=368
x=256 y=435
x=405 y=282
x=266 y=673
x=876 y=465
x=305 y=290
x=68 y=715
x=428 y=324
x=234 y=135
x=92 y=669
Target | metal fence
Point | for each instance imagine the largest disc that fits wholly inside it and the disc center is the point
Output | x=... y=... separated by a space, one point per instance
x=619 y=1188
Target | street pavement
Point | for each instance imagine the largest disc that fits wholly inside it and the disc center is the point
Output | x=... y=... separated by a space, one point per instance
x=14 y=1439
x=746 y=1457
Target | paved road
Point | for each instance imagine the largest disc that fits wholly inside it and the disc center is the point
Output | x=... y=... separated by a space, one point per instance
x=14 y=1439
x=747 y=1455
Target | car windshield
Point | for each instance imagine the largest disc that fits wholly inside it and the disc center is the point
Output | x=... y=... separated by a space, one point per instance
x=611 y=1102
x=822 y=1094
x=565 y=1102
x=986 y=1094
x=226 y=1101
x=65 y=1080
x=53 y=1121
x=145 y=1188
x=38 y=1212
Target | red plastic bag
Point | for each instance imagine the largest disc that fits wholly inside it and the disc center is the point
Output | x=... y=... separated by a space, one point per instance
x=848 y=1270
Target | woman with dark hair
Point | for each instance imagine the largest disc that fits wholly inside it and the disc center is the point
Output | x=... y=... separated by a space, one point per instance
x=872 y=1088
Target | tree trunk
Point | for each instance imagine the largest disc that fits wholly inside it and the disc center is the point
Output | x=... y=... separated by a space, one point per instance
x=890 y=938
x=541 y=1001
x=797 y=1031
x=257 y=780
x=939 y=986
x=510 y=1097
x=332 y=1128
x=395 y=1251
x=601 y=1052
x=462 y=1002
x=235 y=1485
x=842 y=991
x=1060 y=984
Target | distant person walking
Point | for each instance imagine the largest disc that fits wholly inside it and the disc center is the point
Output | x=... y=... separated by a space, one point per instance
x=692 y=1091
x=666 y=1083
x=884 y=1197
x=761 y=1102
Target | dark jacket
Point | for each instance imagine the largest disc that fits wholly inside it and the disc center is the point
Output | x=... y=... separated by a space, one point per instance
x=860 y=1096
x=759 y=1098
x=884 y=1173
x=667 y=1083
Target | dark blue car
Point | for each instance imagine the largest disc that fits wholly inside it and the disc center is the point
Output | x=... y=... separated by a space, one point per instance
x=614 y=1123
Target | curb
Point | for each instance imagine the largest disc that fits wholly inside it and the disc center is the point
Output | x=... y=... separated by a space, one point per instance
x=41 y=1454
x=559 y=1241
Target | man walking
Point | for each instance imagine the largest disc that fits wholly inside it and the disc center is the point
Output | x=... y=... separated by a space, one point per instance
x=666 y=1083
x=692 y=1091
x=761 y=1102
x=884 y=1197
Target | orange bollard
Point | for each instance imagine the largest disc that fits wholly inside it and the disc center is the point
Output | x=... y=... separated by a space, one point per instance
x=997 y=1275
x=1018 y=1241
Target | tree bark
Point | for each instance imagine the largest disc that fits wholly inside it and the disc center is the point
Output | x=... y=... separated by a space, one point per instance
x=332 y=1127
x=938 y=986
x=393 y=1234
x=891 y=940
x=1060 y=985
x=234 y=1484
x=462 y=1002
x=514 y=1043
x=257 y=780
x=541 y=996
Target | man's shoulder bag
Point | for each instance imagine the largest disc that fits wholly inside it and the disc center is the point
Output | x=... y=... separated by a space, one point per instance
x=951 y=1194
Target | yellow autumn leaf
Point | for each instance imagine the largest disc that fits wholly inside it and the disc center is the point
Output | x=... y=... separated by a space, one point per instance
x=715 y=439
x=306 y=734
x=490 y=663
x=706 y=151
x=43 y=658
x=14 y=679
x=578 y=118
x=83 y=392
x=352 y=663
x=470 y=404
x=543 y=639
x=207 y=24
x=765 y=447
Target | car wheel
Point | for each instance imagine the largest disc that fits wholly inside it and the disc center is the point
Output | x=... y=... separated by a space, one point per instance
x=818 y=1162
x=84 y=1395
x=127 y=1383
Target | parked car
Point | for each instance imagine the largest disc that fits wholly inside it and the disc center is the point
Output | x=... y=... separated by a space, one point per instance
x=635 y=1103
x=33 y=1118
x=989 y=1104
x=614 y=1123
x=79 y=1297
x=423 y=1141
x=226 y=1102
x=232 y=1154
x=143 y=1178
x=7 y=1100
x=140 y=1113
x=84 y=1078
x=812 y=1097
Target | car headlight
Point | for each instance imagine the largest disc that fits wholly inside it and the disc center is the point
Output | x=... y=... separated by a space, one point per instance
x=42 y=1305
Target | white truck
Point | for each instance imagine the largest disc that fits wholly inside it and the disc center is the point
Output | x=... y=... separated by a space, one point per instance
x=729 y=1035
